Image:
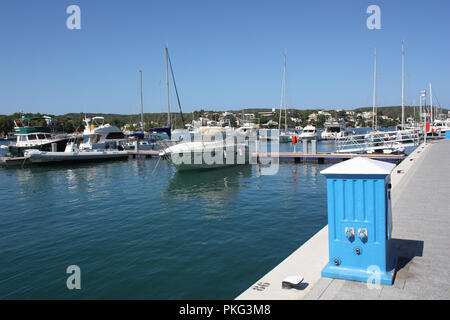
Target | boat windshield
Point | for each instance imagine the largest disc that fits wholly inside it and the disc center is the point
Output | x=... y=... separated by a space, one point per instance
x=334 y=129
x=115 y=135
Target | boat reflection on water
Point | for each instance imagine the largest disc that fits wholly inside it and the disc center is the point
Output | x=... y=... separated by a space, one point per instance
x=210 y=189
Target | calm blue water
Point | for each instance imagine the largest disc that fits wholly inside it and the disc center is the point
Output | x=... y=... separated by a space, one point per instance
x=189 y=235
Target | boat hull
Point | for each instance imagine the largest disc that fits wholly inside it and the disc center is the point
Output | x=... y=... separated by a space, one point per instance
x=196 y=160
x=36 y=156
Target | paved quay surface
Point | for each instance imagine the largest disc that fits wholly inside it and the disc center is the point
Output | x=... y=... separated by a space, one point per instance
x=421 y=225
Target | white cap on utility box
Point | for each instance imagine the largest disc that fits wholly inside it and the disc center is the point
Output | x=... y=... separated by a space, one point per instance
x=360 y=165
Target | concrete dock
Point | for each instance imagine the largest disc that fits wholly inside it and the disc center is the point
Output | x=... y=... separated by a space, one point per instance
x=421 y=224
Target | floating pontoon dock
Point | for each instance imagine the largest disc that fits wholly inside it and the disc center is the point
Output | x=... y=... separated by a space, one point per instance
x=421 y=221
x=301 y=157
x=283 y=156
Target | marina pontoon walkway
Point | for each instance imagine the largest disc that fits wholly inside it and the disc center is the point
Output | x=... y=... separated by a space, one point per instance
x=421 y=225
x=421 y=240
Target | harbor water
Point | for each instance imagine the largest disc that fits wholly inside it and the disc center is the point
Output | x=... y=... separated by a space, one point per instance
x=140 y=233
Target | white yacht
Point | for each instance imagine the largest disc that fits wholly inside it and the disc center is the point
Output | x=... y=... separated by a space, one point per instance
x=309 y=133
x=201 y=154
x=30 y=136
x=333 y=129
x=98 y=135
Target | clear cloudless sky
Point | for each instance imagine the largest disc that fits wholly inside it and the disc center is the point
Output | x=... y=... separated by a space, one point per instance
x=226 y=54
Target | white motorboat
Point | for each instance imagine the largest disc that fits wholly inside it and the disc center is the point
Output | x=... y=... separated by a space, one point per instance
x=202 y=154
x=72 y=153
x=98 y=135
x=333 y=129
x=309 y=133
x=30 y=136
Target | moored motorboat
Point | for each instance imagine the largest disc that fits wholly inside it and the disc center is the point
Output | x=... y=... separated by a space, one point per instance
x=309 y=133
x=98 y=135
x=333 y=129
x=203 y=154
x=72 y=153
x=34 y=137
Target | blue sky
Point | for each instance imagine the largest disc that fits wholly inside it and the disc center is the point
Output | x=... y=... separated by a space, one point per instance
x=225 y=54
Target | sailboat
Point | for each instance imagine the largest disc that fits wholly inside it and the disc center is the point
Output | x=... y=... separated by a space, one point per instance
x=158 y=138
x=212 y=147
x=284 y=136
x=378 y=141
x=168 y=129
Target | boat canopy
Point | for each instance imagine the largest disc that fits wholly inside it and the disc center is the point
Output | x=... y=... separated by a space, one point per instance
x=165 y=129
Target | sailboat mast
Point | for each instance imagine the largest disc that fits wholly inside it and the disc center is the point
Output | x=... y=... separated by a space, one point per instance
x=142 y=102
x=431 y=104
x=285 y=106
x=374 y=125
x=167 y=84
x=283 y=90
x=403 y=86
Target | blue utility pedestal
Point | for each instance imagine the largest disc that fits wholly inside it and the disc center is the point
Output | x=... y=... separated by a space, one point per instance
x=360 y=221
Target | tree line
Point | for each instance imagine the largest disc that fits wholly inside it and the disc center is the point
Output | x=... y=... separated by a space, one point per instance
x=73 y=122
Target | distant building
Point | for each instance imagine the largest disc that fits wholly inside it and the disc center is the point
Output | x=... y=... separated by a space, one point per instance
x=324 y=113
x=367 y=114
